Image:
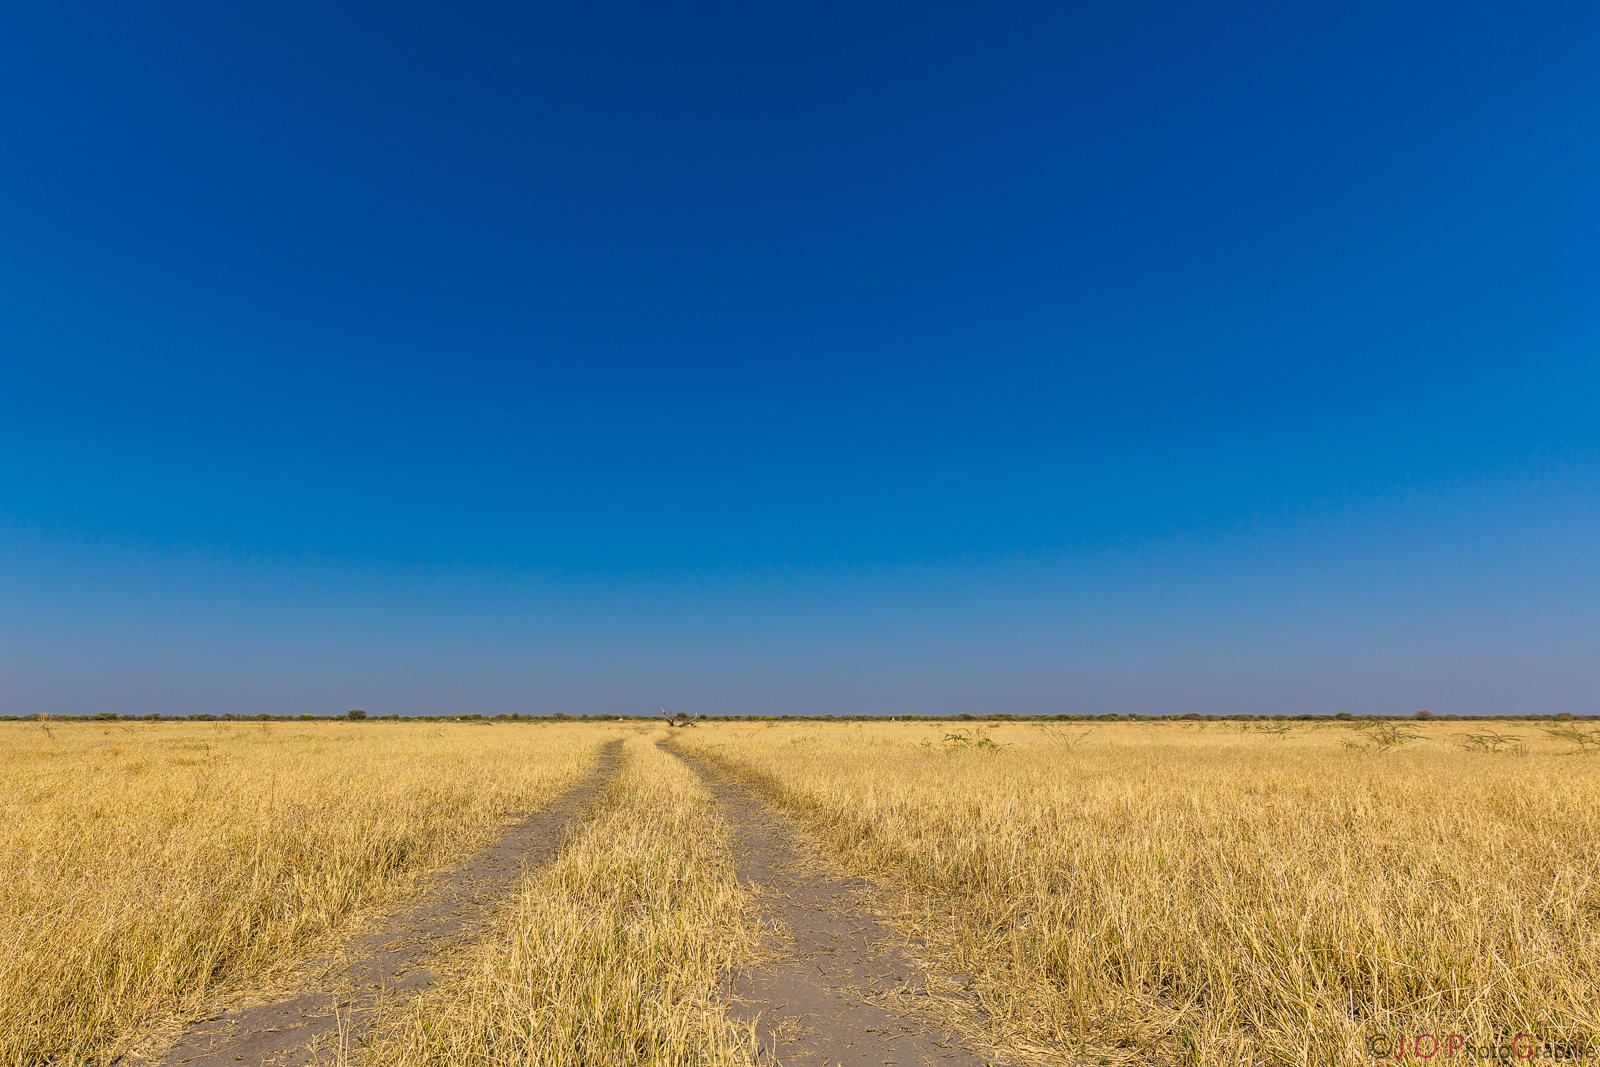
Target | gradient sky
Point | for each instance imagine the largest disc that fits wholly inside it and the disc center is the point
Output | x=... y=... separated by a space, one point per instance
x=800 y=358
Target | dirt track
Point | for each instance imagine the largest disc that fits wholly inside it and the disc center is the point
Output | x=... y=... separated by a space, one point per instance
x=392 y=962
x=830 y=996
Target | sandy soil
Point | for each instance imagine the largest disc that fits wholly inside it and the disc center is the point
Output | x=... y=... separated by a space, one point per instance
x=839 y=988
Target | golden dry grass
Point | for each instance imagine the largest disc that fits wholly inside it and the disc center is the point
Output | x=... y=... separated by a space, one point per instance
x=613 y=954
x=144 y=866
x=1164 y=893
x=1204 y=895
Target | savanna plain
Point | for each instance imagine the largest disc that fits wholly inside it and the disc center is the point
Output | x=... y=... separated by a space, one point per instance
x=1175 y=892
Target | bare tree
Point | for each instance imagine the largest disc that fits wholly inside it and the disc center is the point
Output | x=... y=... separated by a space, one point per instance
x=682 y=718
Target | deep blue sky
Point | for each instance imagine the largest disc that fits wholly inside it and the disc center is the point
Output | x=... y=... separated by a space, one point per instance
x=795 y=358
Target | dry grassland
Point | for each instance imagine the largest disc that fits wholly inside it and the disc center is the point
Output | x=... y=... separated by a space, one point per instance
x=613 y=954
x=1110 y=893
x=1206 y=895
x=144 y=866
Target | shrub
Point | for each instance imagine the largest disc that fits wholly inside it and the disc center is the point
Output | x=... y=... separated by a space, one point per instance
x=1383 y=736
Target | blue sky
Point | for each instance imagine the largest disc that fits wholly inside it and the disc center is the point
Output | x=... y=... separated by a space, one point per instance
x=799 y=358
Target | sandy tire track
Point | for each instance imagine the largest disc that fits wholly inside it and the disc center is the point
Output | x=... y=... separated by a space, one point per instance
x=829 y=996
x=390 y=963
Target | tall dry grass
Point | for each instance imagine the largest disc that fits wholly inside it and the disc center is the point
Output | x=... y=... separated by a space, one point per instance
x=613 y=954
x=144 y=866
x=1210 y=896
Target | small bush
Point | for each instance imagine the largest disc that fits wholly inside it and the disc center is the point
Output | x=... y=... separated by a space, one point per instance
x=971 y=739
x=1586 y=740
x=1382 y=736
x=1491 y=741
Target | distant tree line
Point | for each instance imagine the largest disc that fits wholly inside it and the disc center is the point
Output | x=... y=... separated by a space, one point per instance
x=358 y=715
